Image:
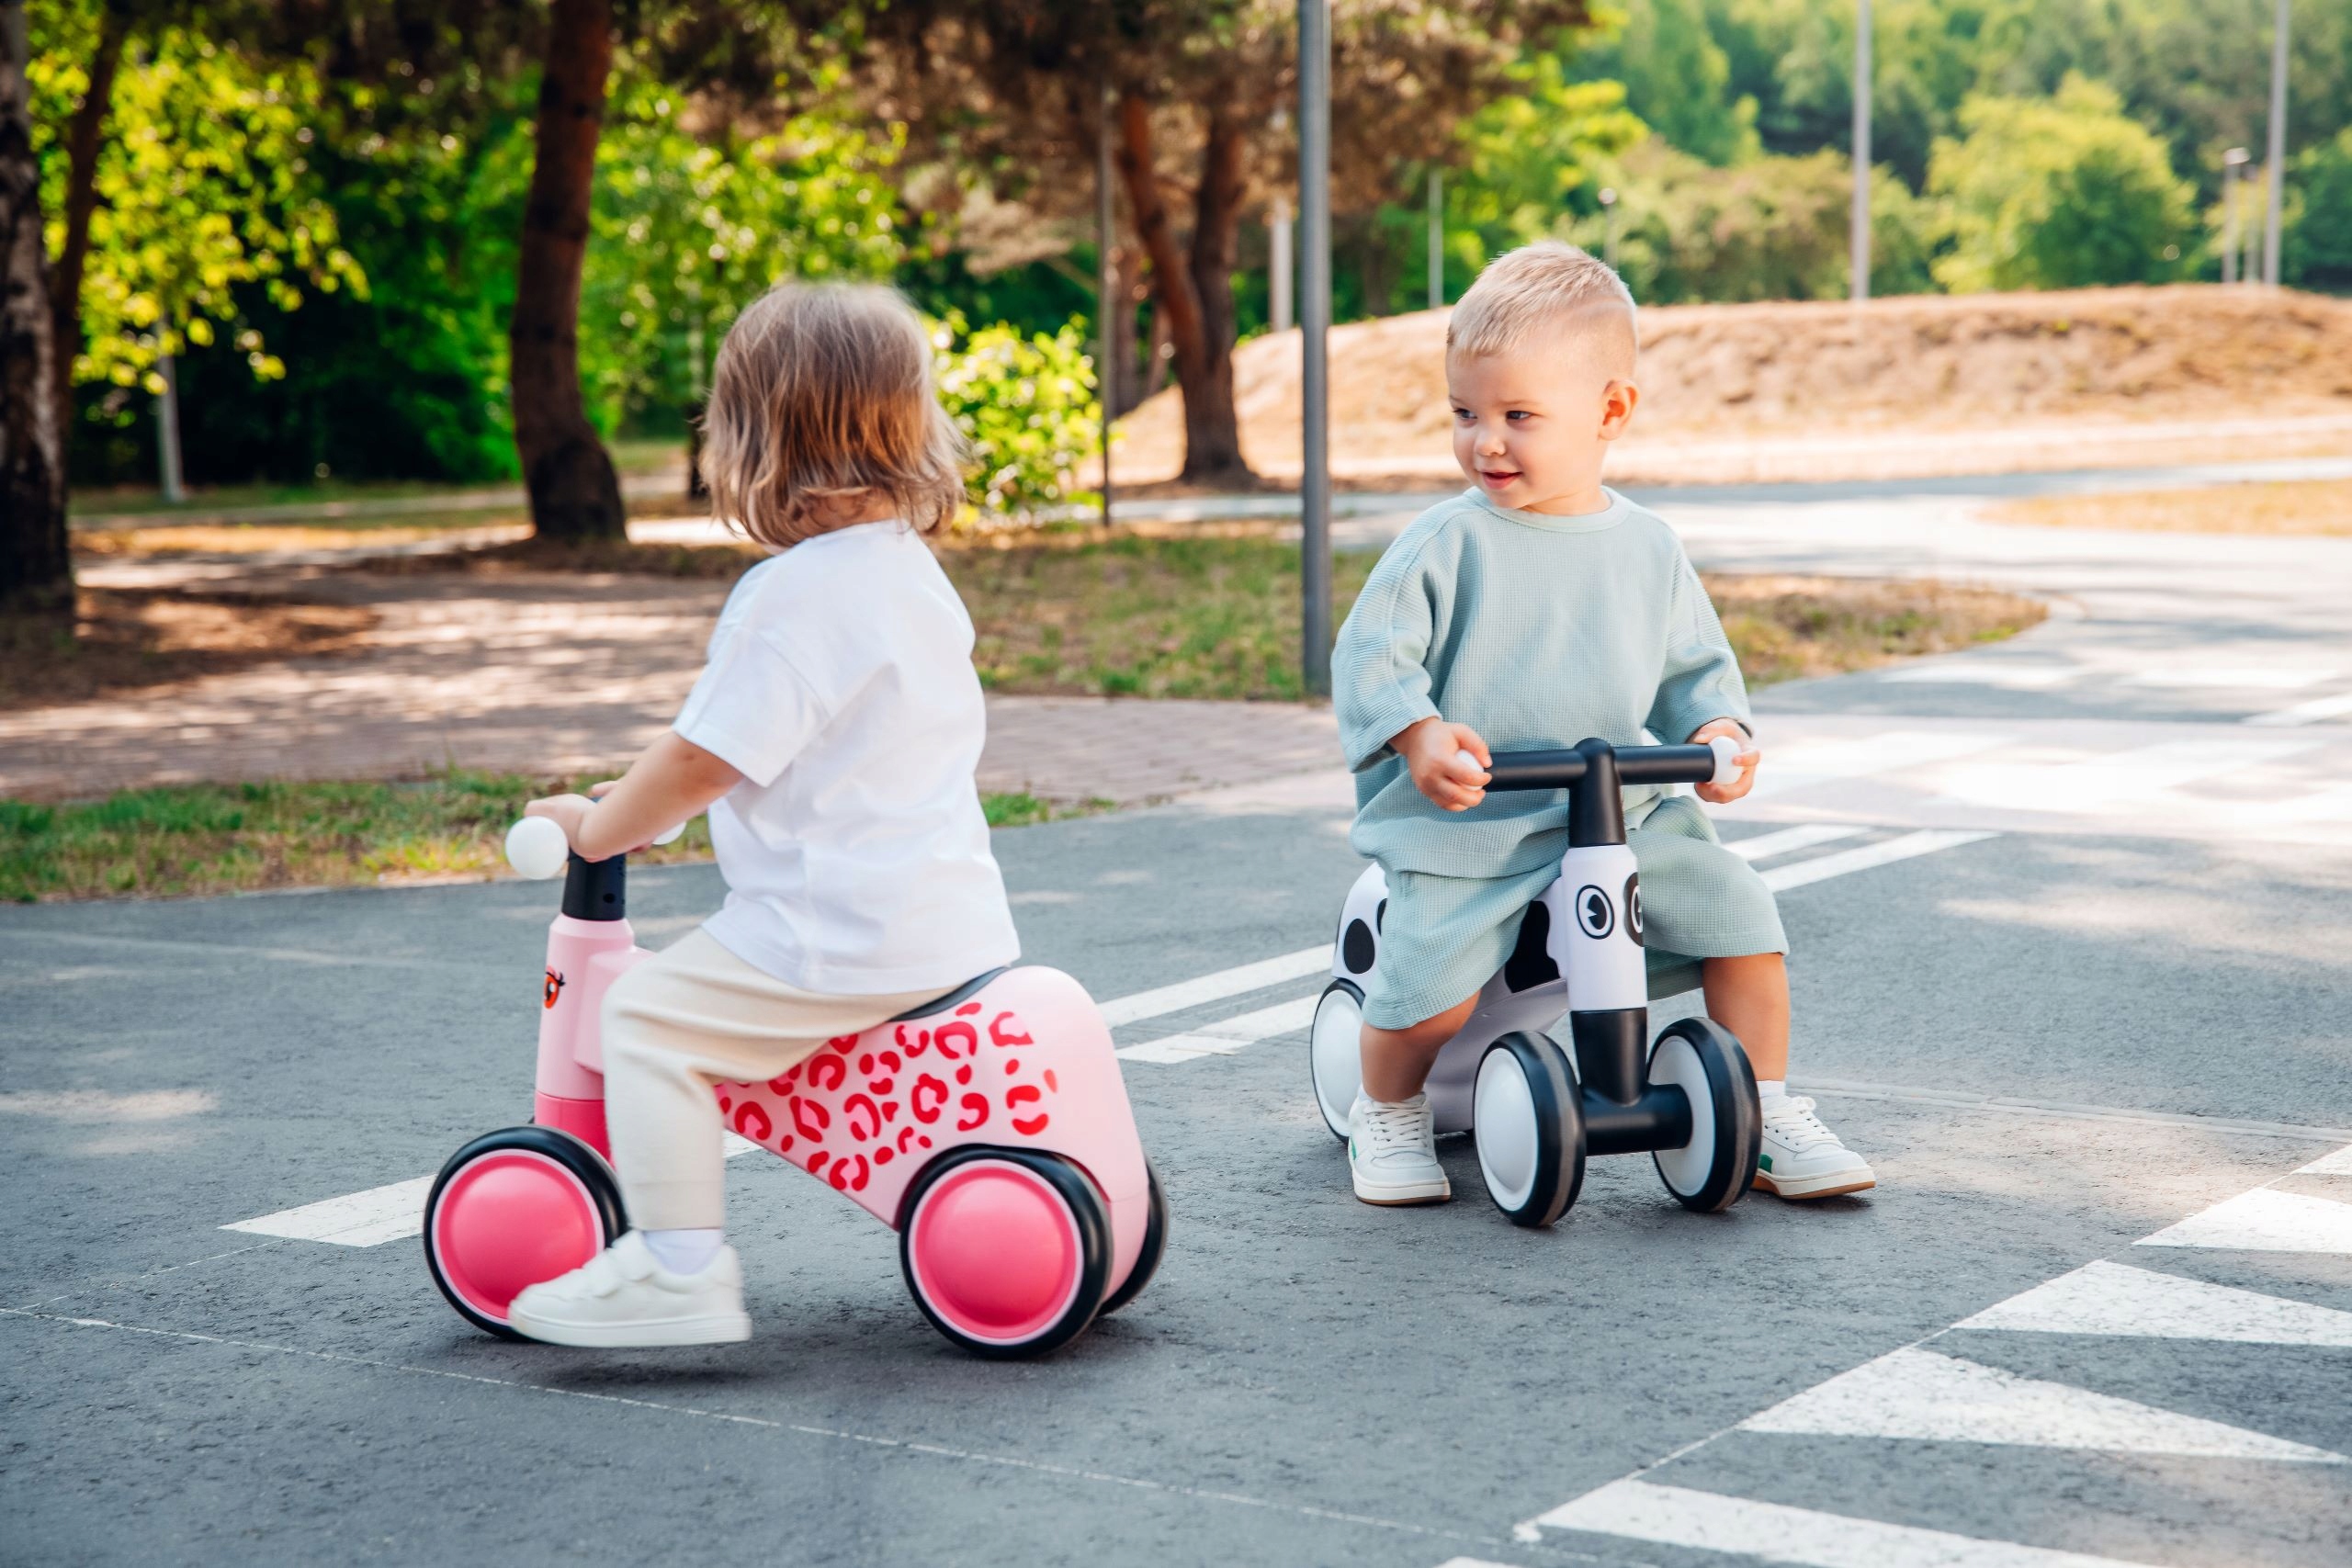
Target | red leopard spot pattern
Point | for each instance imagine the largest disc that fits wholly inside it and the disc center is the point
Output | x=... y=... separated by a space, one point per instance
x=859 y=1103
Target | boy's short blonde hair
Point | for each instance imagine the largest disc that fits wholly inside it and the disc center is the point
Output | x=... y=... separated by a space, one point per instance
x=1547 y=283
x=823 y=392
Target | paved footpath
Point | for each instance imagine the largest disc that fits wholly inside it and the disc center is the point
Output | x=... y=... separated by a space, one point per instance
x=2068 y=918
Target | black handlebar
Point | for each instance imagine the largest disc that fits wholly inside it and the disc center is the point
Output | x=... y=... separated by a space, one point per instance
x=1635 y=764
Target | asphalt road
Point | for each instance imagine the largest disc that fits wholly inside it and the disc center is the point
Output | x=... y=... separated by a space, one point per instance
x=2117 y=1010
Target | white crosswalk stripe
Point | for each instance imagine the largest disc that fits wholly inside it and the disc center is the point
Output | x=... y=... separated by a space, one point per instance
x=2316 y=711
x=1920 y=1394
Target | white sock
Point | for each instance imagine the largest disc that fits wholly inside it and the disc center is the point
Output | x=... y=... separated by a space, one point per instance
x=684 y=1252
x=1771 y=1089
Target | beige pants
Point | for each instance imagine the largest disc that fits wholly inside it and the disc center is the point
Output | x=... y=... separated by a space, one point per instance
x=691 y=1016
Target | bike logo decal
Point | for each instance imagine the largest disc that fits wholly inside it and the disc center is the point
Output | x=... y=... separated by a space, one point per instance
x=1595 y=913
x=1634 y=908
x=554 y=987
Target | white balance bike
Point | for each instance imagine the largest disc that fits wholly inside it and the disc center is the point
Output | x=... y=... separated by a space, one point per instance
x=1689 y=1099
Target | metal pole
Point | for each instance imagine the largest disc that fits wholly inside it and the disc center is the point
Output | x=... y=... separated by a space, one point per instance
x=1279 y=277
x=2277 y=171
x=1106 y=284
x=1860 y=240
x=1609 y=238
x=2233 y=168
x=1437 y=238
x=167 y=428
x=1315 y=322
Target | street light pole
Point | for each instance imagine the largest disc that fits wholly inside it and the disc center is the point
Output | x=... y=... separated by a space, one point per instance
x=1609 y=234
x=1106 y=284
x=2277 y=170
x=1437 y=238
x=1314 y=324
x=1859 y=240
x=2232 y=179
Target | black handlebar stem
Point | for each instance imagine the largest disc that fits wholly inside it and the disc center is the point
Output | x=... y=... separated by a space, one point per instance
x=596 y=890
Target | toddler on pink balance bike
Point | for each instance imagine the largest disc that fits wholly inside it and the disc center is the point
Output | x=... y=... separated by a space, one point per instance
x=848 y=1007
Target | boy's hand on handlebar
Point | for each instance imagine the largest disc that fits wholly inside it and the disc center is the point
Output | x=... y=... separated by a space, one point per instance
x=566 y=811
x=1751 y=754
x=1432 y=749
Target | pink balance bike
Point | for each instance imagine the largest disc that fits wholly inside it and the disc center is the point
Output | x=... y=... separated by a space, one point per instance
x=989 y=1128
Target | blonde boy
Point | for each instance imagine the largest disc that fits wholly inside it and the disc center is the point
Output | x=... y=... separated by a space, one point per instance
x=1535 y=609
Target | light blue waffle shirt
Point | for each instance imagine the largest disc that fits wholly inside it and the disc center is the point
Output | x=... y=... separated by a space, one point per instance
x=1535 y=631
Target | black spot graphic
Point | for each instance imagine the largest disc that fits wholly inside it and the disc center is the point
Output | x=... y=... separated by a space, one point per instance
x=1595 y=913
x=1529 y=964
x=1357 y=948
x=1380 y=917
x=1633 y=909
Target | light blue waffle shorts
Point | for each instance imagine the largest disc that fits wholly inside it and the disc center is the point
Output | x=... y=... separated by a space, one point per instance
x=1443 y=937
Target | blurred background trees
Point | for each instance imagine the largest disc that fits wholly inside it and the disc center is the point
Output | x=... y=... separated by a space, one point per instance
x=317 y=221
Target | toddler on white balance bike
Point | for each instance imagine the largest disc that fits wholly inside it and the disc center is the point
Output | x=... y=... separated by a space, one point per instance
x=1689 y=1099
x=989 y=1127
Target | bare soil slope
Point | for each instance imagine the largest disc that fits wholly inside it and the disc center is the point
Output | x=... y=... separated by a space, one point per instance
x=1931 y=384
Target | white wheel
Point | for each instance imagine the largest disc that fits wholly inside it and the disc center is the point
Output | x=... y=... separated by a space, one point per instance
x=1713 y=1169
x=1335 y=1052
x=1528 y=1124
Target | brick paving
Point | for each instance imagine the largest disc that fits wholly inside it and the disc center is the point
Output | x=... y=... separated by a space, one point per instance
x=547 y=672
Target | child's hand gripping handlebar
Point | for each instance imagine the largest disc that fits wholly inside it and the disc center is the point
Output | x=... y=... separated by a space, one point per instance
x=536 y=848
x=1715 y=763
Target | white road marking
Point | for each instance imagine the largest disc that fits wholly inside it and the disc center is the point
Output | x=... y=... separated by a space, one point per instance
x=2247 y=677
x=1926 y=1397
x=391 y=1213
x=2315 y=711
x=1237 y=981
x=1885 y=852
x=2099 y=781
x=1786 y=841
x=355 y=1219
x=1803 y=763
x=2117 y=1300
x=1227 y=1035
x=2013 y=674
x=2337 y=1164
x=1675 y=1515
x=2265 y=1220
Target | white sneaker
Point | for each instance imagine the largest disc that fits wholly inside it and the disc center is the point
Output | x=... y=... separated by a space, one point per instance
x=623 y=1299
x=1802 y=1158
x=1391 y=1152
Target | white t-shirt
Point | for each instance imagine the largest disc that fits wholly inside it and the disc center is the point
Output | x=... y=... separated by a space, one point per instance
x=841 y=686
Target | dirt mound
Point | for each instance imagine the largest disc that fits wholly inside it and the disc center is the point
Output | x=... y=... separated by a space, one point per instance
x=1931 y=384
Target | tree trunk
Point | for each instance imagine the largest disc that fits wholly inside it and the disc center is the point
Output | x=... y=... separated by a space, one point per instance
x=575 y=493
x=36 y=565
x=1200 y=331
x=82 y=137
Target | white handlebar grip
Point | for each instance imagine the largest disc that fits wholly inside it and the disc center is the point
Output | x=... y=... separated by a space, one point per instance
x=1727 y=749
x=673 y=836
x=536 y=848
x=1469 y=762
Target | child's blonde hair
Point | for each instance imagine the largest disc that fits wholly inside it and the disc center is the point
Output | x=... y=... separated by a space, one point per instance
x=823 y=392
x=1547 y=283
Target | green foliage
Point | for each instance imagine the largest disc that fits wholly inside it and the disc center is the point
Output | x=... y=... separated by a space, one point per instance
x=693 y=222
x=1532 y=156
x=2315 y=250
x=2058 y=193
x=1026 y=404
x=206 y=196
x=1677 y=79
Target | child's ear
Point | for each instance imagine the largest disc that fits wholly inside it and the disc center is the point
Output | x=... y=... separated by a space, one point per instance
x=1618 y=400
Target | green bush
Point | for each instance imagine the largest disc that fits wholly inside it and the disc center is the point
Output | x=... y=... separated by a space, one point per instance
x=2062 y=192
x=2315 y=250
x=1028 y=407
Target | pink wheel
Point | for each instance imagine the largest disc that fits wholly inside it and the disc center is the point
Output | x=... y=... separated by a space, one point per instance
x=1005 y=1250
x=513 y=1208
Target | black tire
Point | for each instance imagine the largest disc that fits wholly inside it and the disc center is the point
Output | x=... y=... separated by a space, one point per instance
x=1089 y=1220
x=1529 y=1125
x=1333 y=1075
x=1714 y=1170
x=1155 y=1242
x=563 y=1149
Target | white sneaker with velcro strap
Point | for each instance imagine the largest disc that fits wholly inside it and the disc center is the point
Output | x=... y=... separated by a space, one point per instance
x=1802 y=1158
x=624 y=1299
x=1391 y=1152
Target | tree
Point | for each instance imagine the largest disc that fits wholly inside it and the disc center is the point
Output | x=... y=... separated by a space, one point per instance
x=1675 y=78
x=36 y=568
x=2061 y=192
x=1010 y=94
x=2316 y=249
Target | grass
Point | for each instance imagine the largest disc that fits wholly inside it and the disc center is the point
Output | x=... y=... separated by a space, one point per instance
x=193 y=840
x=1784 y=629
x=2310 y=507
